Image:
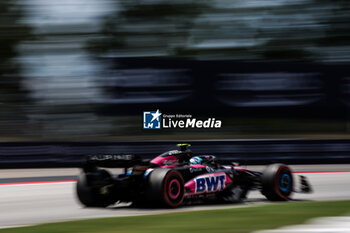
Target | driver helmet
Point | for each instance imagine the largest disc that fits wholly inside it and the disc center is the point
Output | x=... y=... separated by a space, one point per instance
x=186 y=154
x=196 y=160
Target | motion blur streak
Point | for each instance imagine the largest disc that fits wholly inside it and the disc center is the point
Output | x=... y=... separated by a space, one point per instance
x=56 y=180
x=31 y=204
x=86 y=69
x=322 y=172
x=329 y=225
x=40 y=182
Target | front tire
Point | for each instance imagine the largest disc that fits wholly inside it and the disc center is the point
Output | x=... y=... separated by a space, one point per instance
x=277 y=182
x=166 y=187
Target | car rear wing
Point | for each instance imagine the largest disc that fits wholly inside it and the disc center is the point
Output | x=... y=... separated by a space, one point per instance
x=111 y=161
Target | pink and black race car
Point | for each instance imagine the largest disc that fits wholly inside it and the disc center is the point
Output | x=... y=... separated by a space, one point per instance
x=177 y=176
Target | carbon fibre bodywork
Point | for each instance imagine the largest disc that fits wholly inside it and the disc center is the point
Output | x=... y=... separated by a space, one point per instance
x=170 y=179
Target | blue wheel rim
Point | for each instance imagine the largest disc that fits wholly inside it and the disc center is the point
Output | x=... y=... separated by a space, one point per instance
x=284 y=182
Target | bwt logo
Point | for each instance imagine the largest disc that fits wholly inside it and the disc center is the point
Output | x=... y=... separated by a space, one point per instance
x=210 y=183
x=151 y=120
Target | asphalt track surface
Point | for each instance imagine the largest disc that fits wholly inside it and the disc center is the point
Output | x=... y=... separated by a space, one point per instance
x=33 y=196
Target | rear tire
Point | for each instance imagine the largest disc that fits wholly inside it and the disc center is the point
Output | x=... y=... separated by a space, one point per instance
x=277 y=182
x=91 y=196
x=166 y=188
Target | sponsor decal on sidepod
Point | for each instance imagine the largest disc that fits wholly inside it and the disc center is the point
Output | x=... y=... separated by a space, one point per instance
x=208 y=183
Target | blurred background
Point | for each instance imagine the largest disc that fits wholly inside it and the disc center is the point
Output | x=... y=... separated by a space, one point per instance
x=87 y=69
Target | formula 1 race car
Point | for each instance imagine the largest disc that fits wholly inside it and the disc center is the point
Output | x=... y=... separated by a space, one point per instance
x=177 y=175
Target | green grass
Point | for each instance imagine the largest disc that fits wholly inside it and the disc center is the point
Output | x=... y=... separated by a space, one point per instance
x=212 y=221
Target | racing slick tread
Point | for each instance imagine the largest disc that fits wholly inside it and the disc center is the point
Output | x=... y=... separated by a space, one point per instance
x=270 y=182
x=159 y=190
x=90 y=196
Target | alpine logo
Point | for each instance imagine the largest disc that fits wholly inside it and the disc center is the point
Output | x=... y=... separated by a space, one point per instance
x=211 y=183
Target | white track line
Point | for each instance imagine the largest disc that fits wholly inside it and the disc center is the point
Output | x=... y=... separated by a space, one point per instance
x=318 y=225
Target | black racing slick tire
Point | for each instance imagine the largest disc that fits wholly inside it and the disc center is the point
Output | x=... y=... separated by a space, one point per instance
x=277 y=182
x=166 y=188
x=91 y=196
